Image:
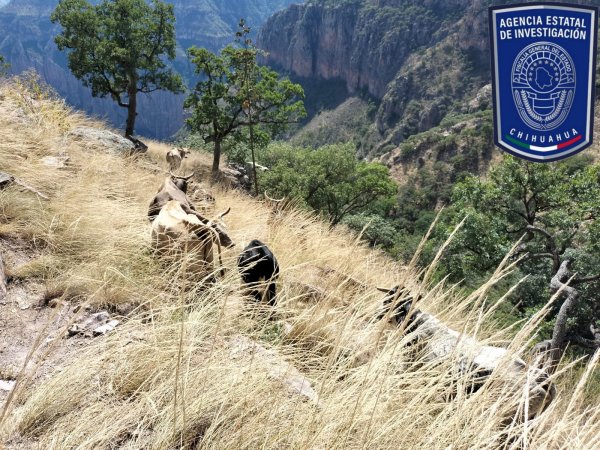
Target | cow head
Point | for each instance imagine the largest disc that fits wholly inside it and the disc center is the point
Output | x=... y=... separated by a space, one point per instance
x=182 y=152
x=181 y=182
x=219 y=226
x=400 y=300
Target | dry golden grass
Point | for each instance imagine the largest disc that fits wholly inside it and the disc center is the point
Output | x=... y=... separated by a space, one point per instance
x=171 y=377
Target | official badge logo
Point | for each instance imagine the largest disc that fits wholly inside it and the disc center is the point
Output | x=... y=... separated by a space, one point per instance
x=543 y=63
x=543 y=85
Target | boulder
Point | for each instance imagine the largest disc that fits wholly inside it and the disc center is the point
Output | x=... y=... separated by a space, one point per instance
x=5 y=179
x=105 y=139
x=7 y=385
x=482 y=100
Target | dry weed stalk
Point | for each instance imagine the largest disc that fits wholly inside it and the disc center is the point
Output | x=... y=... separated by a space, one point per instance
x=169 y=378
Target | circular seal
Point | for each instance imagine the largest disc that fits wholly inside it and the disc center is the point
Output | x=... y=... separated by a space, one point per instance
x=543 y=85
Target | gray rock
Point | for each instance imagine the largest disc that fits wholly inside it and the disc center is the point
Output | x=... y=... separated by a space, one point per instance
x=107 y=139
x=247 y=351
x=228 y=172
x=96 y=324
x=107 y=327
x=7 y=385
x=259 y=167
x=57 y=162
x=5 y=179
x=482 y=100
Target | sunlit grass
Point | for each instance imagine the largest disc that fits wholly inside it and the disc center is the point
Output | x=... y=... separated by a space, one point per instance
x=171 y=376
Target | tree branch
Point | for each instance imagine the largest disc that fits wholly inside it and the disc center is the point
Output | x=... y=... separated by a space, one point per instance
x=542 y=232
x=3 y=289
x=531 y=256
x=592 y=344
x=572 y=296
x=585 y=280
x=551 y=244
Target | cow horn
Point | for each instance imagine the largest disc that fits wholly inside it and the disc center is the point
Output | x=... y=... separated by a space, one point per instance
x=182 y=178
x=380 y=289
x=223 y=214
x=274 y=200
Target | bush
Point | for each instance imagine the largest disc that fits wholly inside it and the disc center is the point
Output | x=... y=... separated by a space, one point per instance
x=378 y=231
x=329 y=180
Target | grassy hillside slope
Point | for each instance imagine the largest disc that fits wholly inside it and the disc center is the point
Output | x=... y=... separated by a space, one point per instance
x=202 y=367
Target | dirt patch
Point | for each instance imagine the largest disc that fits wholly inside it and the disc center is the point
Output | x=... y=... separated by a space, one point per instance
x=26 y=322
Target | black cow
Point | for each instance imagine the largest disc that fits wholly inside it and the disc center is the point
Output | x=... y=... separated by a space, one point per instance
x=402 y=301
x=257 y=264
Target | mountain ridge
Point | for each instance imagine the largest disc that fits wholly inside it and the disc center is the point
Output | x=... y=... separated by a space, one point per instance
x=28 y=43
x=418 y=60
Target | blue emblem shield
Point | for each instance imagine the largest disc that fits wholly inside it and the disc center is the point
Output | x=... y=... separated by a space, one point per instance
x=543 y=78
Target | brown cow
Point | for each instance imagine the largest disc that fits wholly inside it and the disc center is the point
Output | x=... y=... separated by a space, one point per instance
x=175 y=233
x=174 y=188
x=175 y=156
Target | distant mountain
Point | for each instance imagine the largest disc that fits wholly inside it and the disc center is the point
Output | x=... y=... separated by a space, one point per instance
x=414 y=61
x=27 y=41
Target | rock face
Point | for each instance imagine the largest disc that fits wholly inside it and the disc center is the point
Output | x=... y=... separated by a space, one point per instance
x=107 y=140
x=437 y=342
x=27 y=42
x=418 y=59
x=364 y=43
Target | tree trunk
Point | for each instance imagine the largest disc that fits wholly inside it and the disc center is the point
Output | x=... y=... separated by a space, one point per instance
x=253 y=158
x=2 y=280
x=560 y=328
x=553 y=348
x=216 y=158
x=131 y=109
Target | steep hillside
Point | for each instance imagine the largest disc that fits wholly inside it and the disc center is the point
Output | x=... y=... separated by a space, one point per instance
x=418 y=60
x=198 y=365
x=27 y=42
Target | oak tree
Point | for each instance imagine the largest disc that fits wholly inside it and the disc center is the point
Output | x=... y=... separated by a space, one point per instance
x=118 y=48
x=235 y=92
x=329 y=179
x=555 y=210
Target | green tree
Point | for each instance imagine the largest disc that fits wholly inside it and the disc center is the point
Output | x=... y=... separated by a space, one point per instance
x=556 y=209
x=329 y=179
x=118 y=47
x=378 y=231
x=236 y=93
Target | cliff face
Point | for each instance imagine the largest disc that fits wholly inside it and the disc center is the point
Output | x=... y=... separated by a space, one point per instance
x=363 y=42
x=418 y=59
x=27 y=42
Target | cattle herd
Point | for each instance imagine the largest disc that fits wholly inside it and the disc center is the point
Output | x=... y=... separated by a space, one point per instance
x=179 y=228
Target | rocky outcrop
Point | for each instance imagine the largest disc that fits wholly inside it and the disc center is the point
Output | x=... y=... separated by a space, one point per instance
x=250 y=354
x=104 y=139
x=420 y=60
x=93 y=324
x=365 y=43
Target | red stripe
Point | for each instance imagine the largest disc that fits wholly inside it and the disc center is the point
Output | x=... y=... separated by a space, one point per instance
x=572 y=141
